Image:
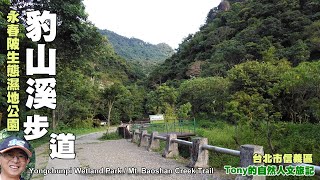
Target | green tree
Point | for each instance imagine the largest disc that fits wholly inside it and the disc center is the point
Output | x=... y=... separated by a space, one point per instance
x=77 y=98
x=299 y=52
x=110 y=95
x=298 y=93
x=206 y=95
x=313 y=38
x=130 y=102
x=158 y=99
x=3 y=22
x=251 y=83
x=251 y=101
x=23 y=43
x=184 y=110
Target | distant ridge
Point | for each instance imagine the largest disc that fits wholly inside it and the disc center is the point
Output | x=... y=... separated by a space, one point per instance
x=136 y=49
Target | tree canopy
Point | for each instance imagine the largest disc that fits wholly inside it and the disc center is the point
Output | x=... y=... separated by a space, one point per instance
x=86 y=61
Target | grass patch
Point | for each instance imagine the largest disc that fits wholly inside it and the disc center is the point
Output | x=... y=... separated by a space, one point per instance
x=286 y=138
x=110 y=136
x=221 y=135
x=162 y=146
x=81 y=131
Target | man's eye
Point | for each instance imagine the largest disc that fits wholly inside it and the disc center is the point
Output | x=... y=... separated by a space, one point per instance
x=21 y=157
x=10 y=155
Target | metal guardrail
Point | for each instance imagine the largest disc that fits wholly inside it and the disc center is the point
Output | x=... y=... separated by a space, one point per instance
x=180 y=141
x=222 y=150
x=160 y=137
x=316 y=169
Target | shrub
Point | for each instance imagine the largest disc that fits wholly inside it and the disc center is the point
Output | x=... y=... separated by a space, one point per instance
x=110 y=136
x=78 y=123
x=96 y=123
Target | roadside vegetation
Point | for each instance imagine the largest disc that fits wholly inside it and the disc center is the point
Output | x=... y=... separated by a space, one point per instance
x=286 y=138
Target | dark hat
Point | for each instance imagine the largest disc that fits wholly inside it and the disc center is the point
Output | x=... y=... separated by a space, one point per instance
x=13 y=142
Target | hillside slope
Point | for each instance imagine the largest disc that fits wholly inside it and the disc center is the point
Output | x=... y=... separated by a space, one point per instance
x=136 y=49
x=237 y=31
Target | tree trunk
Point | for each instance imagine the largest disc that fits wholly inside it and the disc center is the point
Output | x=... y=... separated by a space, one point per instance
x=236 y=137
x=269 y=136
x=109 y=112
x=0 y=119
x=54 y=124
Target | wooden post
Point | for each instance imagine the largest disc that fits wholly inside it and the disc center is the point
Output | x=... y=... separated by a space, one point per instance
x=154 y=143
x=124 y=131
x=135 y=136
x=246 y=159
x=199 y=157
x=171 y=147
x=143 y=139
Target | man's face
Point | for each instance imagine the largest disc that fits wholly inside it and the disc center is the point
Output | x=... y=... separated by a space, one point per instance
x=13 y=162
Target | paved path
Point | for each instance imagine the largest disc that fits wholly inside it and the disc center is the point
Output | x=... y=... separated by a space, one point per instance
x=68 y=165
x=119 y=156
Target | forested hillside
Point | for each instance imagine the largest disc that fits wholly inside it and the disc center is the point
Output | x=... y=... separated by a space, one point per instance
x=142 y=54
x=267 y=51
x=254 y=66
x=238 y=31
x=136 y=49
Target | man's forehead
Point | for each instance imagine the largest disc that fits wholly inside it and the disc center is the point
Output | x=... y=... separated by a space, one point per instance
x=16 y=150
